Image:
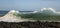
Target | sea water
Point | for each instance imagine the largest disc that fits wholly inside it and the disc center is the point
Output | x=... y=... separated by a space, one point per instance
x=2 y=13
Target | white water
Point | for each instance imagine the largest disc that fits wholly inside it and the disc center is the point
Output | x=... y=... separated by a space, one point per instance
x=47 y=11
x=9 y=17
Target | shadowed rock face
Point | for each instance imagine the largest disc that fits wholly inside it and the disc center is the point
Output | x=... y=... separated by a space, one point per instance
x=36 y=24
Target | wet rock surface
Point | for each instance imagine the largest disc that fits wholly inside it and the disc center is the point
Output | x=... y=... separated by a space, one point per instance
x=29 y=24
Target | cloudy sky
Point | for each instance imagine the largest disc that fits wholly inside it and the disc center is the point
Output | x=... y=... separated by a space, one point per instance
x=29 y=4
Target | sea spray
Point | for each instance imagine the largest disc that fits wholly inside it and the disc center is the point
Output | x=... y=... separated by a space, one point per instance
x=12 y=16
x=11 y=13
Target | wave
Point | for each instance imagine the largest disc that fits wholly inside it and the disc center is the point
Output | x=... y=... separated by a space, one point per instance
x=11 y=13
x=47 y=11
x=10 y=17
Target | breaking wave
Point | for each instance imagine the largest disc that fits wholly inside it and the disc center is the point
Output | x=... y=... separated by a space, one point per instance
x=47 y=11
x=10 y=17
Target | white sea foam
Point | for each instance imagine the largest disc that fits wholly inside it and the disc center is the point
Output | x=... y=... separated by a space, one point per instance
x=9 y=17
x=49 y=10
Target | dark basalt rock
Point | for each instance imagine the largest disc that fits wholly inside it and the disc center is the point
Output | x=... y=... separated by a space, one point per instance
x=29 y=24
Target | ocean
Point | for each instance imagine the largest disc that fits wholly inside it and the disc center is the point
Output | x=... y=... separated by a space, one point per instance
x=2 y=13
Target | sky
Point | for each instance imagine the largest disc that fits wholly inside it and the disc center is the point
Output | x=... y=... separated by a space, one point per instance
x=29 y=5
